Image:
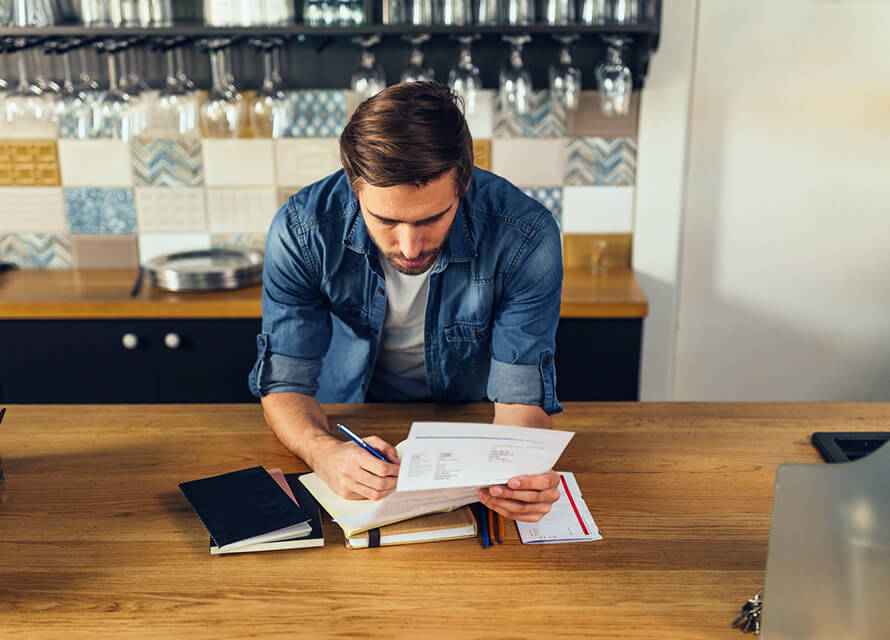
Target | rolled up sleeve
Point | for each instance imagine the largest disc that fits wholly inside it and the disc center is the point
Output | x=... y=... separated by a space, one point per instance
x=296 y=329
x=523 y=341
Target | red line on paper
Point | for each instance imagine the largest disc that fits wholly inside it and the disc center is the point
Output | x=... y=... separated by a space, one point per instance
x=572 y=502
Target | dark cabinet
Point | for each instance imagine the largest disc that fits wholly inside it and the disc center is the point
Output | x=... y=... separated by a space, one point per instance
x=147 y=361
x=128 y=361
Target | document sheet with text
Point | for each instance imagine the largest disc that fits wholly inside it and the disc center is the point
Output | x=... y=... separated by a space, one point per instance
x=447 y=455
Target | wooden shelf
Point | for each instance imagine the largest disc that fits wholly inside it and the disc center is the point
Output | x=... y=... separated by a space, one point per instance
x=104 y=294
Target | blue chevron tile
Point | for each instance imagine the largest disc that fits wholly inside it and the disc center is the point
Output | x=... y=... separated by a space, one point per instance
x=600 y=161
x=544 y=119
x=167 y=162
x=550 y=197
x=36 y=250
x=92 y=210
x=317 y=113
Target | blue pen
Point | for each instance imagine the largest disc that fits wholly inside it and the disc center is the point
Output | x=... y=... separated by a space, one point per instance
x=364 y=445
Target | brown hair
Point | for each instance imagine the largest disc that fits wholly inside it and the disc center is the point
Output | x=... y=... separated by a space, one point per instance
x=409 y=133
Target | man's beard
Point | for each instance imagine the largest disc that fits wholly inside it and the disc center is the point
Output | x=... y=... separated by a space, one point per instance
x=429 y=259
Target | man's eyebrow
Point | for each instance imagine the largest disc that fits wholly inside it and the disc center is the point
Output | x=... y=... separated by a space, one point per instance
x=428 y=219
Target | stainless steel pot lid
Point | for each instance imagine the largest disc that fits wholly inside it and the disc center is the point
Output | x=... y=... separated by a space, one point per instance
x=206 y=269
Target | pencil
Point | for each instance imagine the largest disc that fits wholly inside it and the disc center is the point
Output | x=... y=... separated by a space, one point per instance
x=492 y=527
x=483 y=521
x=500 y=529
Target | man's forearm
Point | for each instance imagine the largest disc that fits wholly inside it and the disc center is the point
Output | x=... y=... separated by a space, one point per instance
x=299 y=423
x=521 y=415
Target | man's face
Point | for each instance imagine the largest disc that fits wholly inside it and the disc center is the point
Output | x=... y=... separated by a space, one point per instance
x=409 y=224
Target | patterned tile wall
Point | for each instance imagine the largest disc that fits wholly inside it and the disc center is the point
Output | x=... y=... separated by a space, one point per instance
x=102 y=203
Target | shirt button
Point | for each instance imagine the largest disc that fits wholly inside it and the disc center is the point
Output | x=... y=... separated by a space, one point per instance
x=261 y=342
x=373 y=331
x=380 y=290
x=433 y=376
x=478 y=335
x=547 y=361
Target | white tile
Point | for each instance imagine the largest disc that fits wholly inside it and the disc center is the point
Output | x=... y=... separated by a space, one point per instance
x=481 y=120
x=306 y=160
x=529 y=162
x=235 y=163
x=32 y=210
x=152 y=245
x=231 y=210
x=170 y=209
x=48 y=131
x=95 y=163
x=593 y=209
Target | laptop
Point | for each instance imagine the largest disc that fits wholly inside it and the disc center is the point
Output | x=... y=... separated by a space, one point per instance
x=828 y=564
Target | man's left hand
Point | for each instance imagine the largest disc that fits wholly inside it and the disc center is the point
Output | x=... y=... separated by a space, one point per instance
x=525 y=498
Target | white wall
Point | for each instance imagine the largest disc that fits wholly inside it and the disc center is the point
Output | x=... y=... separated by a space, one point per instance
x=785 y=264
x=661 y=174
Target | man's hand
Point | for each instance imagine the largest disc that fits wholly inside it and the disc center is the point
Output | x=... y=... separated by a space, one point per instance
x=526 y=498
x=353 y=473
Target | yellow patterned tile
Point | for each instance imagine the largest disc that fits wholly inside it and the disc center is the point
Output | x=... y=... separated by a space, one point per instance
x=29 y=163
x=482 y=153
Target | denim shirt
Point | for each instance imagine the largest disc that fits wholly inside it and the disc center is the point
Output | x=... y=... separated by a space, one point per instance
x=491 y=314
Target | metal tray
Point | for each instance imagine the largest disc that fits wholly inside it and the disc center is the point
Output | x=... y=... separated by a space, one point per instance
x=206 y=269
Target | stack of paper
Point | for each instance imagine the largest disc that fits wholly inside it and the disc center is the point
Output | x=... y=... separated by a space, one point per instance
x=443 y=465
x=569 y=519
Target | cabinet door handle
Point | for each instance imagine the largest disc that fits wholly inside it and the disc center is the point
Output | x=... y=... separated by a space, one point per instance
x=130 y=341
x=172 y=340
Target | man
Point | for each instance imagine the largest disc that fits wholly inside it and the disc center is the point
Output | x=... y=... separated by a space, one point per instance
x=409 y=276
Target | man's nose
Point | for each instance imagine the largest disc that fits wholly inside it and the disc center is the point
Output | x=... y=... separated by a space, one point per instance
x=410 y=242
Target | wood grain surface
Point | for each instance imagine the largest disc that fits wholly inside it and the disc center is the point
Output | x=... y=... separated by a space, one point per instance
x=105 y=293
x=96 y=540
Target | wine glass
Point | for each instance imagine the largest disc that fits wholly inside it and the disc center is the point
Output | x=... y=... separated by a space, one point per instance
x=465 y=79
x=116 y=112
x=368 y=79
x=27 y=107
x=222 y=111
x=565 y=77
x=184 y=81
x=269 y=107
x=416 y=71
x=175 y=110
x=74 y=107
x=614 y=80
x=515 y=82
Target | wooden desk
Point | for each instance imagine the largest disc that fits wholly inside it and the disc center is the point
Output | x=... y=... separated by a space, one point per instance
x=96 y=540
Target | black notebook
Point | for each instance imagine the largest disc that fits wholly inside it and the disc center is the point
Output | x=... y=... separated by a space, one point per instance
x=245 y=507
x=310 y=507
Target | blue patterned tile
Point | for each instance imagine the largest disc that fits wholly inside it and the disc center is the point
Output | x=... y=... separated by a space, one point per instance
x=543 y=120
x=317 y=113
x=550 y=197
x=92 y=210
x=600 y=161
x=80 y=122
x=167 y=162
x=238 y=240
x=36 y=250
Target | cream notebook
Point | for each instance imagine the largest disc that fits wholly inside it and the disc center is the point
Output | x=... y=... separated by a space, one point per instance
x=433 y=527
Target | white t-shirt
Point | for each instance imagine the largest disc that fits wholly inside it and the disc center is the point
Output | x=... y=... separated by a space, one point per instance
x=400 y=372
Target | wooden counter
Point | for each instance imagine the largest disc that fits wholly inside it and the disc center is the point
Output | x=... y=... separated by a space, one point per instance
x=96 y=540
x=105 y=294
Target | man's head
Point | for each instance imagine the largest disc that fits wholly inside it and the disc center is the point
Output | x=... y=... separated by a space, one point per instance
x=408 y=155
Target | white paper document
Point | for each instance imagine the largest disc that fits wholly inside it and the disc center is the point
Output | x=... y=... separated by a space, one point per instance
x=442 y=455
x=569 y=519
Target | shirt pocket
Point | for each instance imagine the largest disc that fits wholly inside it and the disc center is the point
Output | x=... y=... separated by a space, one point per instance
x=466 y=342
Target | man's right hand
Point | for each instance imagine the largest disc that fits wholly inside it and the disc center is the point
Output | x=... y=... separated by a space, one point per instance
x=353 y=473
